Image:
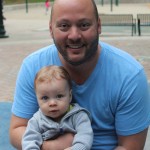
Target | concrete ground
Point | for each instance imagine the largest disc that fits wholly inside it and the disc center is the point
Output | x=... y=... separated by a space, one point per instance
x=29 y=32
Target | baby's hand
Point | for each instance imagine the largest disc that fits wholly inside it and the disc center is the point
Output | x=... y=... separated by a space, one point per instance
x=69 y=148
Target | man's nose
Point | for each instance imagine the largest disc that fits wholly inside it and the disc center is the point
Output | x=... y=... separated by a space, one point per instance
x=74 y=34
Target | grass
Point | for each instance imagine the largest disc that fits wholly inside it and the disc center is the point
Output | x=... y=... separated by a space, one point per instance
x=11 y=2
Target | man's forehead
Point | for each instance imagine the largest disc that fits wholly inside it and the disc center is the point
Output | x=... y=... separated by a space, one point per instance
x=72 y=5
x=71 y=2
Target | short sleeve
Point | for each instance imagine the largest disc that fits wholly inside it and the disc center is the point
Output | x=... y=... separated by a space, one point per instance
x=133 y=110
x=25 y=103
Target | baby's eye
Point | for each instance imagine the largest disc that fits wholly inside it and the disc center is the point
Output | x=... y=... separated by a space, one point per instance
x=44 y=97
x=59 y=96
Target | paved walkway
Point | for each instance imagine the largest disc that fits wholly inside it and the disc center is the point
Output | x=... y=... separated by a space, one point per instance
x=29 y=32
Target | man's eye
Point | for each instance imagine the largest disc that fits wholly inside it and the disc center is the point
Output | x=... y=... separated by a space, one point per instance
x=84 y=26
x=44 y=97
x=63 y=27
x=59 y=96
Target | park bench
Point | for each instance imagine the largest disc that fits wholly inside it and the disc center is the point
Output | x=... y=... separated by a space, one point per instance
x=118 y=20
x=143 y=20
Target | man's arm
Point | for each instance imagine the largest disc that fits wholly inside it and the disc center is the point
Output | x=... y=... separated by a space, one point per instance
x=18 y=127
x=132 y=142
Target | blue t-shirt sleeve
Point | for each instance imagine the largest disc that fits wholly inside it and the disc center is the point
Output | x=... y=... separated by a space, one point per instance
x=133 y=111
x=25 y=103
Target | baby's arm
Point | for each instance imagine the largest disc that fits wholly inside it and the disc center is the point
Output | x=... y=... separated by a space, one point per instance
x=83 y=139
x=32 y=139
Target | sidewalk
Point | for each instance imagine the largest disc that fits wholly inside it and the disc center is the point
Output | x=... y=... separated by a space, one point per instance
x=29 y=32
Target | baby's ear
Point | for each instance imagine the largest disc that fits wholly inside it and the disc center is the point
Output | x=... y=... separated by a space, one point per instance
x=70 y=95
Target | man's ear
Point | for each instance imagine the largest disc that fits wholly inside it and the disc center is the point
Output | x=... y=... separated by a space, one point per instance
x=99 y=25
x=50 y=29
x=70 y=95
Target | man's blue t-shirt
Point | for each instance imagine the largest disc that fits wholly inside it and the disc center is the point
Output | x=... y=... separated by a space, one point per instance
x=116 y=93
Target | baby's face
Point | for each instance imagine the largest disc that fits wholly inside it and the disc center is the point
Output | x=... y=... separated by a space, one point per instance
x=54 y=97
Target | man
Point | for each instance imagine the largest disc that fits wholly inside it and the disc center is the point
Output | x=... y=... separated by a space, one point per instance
x=106 y=81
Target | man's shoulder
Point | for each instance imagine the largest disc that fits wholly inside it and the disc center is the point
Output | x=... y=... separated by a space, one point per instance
x=45 y=51
x=119 y=57
x=42 y=57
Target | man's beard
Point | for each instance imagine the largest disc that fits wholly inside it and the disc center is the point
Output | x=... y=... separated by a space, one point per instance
x=90 y=52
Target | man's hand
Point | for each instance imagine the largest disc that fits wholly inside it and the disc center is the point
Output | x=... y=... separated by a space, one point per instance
x=62 y=142
x=69 y=148
x=120 y=148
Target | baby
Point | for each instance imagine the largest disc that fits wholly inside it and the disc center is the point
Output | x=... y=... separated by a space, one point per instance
x=56 y=114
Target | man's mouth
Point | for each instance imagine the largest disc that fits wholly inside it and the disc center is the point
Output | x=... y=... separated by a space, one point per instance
x=75 y=46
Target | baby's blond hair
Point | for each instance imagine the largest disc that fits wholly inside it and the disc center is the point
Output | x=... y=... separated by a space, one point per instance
x=48 y=73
